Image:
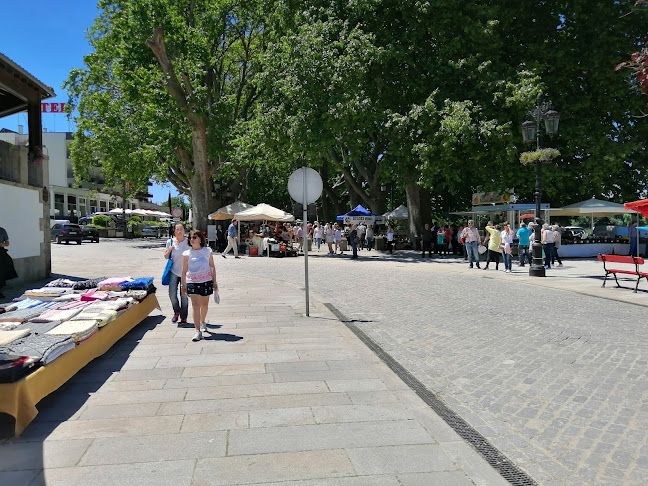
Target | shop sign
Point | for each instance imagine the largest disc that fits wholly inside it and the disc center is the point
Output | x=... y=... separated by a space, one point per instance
x=492 y=197
x=360 y=219
x=52 y=107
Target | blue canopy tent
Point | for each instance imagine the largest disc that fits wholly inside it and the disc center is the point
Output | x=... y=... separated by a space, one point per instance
x=360 y=213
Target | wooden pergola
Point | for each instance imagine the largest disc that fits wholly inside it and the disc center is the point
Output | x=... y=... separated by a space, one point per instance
x=20 y=91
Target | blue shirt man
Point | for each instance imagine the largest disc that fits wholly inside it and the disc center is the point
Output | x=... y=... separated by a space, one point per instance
x=523 y=235
x=231 y=230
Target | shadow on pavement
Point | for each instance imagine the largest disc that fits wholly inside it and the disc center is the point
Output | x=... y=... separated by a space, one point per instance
x=63 y=403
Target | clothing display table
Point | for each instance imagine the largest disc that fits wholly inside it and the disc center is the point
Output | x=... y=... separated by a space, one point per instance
x=19 y=399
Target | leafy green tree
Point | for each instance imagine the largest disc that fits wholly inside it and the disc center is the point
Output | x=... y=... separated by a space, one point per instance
x=164 y=90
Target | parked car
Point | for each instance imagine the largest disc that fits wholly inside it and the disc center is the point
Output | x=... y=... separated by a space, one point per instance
x=67 y=232
x=90 y=233
x=153 y=231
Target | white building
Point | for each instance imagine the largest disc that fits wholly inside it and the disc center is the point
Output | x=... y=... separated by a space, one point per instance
x=68 y=199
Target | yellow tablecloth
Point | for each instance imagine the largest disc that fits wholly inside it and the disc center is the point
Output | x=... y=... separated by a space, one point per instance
x=19 y=399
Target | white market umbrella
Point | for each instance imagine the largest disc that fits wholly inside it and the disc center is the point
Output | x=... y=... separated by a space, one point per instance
x=228 y=212
x=592 y=207
x=400 y=212
x=264 y=212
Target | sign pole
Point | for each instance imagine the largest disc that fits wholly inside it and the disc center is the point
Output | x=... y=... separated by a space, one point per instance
x=305 y=235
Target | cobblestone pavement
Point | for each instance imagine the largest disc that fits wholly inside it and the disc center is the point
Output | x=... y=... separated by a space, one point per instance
x=552 y=371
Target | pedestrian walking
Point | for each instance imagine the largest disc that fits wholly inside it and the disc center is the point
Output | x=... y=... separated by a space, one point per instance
x=337 y=234
x=390 y=240
x=369 y=237
x=471 y=239
x=547 y=244
x=361 y=229
x=198 y=280
x=507 y=251
x=232 y=240
x=353 y=238
x=494 y=245
x=557 y=237
x=318 y=233
x=427 y=238
x=329 y=233
x=523 y=235
x=175 y=249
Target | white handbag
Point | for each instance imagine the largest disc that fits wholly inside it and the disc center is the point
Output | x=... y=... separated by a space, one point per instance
x=216 y=297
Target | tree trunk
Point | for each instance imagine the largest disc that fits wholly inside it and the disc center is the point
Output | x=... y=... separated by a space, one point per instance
x=415 y=218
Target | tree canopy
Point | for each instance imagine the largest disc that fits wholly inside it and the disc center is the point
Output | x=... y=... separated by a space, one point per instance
x=424 y=97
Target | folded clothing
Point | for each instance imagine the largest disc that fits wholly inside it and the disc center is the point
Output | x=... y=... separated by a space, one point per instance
x=79 y=330
x=8 y=336
x=68 y=297
x=13 y=368
x=9 y=326
x=113 y=283
x=138 y=284
x=38 y=327
x=57 y=315
x=44 y=347
x=46 y=292
x=61 y=282
x=88 y=284
x=24 y=314
x=94 y=295
x=138 y=295
x=77 y=304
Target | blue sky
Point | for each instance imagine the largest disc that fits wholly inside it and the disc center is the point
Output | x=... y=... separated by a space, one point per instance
x=48 y=39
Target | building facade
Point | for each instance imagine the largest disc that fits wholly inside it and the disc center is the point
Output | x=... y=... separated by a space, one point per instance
x=67 y=198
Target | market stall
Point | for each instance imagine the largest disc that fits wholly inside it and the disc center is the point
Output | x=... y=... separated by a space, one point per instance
x=49 y=334
x=265 y=212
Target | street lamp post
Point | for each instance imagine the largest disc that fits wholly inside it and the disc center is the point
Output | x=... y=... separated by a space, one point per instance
x=530 y=133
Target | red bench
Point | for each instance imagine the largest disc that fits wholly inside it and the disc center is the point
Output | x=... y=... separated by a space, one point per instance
x=627 y=260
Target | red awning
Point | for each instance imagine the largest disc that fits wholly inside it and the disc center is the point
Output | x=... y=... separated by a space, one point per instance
x=639 y=206
x=527 y=216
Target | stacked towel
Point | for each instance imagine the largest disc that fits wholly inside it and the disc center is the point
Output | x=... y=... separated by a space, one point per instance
x=138 y=295
x=50 y=292
x=77 y=304
x=68 y=298
x=57 y=315
x=8 y=336
x=43 y=347
x=79 y=330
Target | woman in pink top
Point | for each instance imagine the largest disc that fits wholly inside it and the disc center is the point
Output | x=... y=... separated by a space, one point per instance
x=198 y=279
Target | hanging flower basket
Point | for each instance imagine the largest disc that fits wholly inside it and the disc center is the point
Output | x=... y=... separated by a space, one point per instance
x=542 y=155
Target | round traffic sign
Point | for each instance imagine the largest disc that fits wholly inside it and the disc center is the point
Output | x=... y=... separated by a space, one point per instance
x=305 y=181
x=176 y=212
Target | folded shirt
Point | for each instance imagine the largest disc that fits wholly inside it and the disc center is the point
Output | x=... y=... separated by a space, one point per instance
x=38 y=327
